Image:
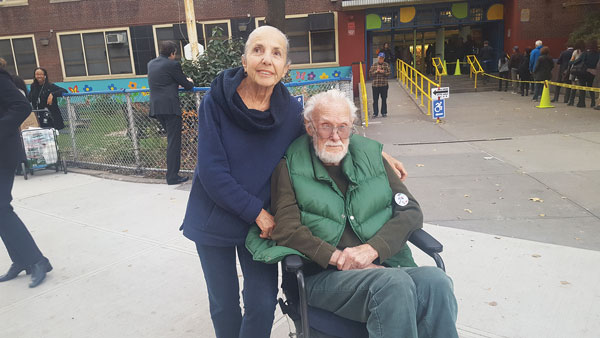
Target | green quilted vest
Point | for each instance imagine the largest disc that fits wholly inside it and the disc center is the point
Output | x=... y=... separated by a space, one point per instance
x=324 y=210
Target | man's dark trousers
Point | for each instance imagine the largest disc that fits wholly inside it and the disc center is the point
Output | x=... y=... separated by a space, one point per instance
x=18 y=241
x=377 y=91
x=172 y=124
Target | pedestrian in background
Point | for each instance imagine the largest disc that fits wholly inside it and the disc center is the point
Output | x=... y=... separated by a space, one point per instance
x=389 y=56
x=24 y=253
x=563 y=72
x=513 y=65
x=164 y=78
x=586 y=77
x=42 y=95
x=533 y=58
x=542 y=71
x=486 y=55
x=575 y=59
x=524 y=74
x=503 y=71
x=379 y=72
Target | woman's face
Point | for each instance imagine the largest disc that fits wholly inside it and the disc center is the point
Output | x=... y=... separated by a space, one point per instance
x=265 y=60
x=40 y=77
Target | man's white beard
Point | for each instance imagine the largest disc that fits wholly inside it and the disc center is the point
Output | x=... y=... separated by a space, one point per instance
x=327 y=157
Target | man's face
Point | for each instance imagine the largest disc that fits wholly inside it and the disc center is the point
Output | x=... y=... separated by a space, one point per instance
x=330 y=130
x=380 y=59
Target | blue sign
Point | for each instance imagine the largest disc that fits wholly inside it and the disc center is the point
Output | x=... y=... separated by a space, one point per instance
x=300 y=99
x=438 y=109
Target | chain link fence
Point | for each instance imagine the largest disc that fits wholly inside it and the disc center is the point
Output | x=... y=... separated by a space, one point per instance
x=113 y=131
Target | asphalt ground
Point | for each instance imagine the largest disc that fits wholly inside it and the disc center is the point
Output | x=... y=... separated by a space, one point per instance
x=509 y=189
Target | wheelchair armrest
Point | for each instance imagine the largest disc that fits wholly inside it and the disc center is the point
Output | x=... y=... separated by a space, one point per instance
x=292 y=263
x=424 y=241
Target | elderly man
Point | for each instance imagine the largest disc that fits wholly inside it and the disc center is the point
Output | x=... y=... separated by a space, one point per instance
x=338 y=203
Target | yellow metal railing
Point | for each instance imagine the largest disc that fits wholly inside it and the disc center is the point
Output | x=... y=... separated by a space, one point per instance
x=363 y=95
x=415 y=82
x=440 y=69
x=474 y=67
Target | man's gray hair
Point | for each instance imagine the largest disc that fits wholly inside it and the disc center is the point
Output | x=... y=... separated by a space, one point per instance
x=538 y=43
x=262 y=28
x=331 y=96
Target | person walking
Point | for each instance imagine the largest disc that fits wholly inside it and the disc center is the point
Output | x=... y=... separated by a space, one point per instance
x=524 y=73
x=379 y=72
x=542 y=71
x=164 y=78
x=503 y=70
x=22 y=249
x=533 y=57
x=389 y=57
x=513 y=65
x=586 y=76
x=563 y=72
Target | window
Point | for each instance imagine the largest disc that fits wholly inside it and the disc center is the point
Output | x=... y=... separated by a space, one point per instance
x=99 y=53
x=20 y=56
x=309 y=46
x=13 y=3
x=476 y=14
x=208 y=28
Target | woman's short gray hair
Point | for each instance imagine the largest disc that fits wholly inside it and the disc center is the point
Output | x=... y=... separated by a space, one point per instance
x=277 y=31
x=331 y=96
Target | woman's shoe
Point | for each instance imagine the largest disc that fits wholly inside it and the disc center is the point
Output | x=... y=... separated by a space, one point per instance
x=14 y=270
x=38 y=272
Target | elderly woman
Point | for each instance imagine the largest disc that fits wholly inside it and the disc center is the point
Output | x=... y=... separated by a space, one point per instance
x=542 y=71
x=43 y=94
x=246 y=122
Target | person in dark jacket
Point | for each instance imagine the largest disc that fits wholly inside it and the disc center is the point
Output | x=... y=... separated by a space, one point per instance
x=246 y=121
x=513 y=65
x=164 y=78
x=42 y=95
x=586 y=78
x=524 y=74
x=542 y=71
x=563 y=74
x=389 y=57
x=22 y=249
x=486 y=55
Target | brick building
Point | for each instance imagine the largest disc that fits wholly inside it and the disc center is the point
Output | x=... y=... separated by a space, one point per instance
x=112 y=40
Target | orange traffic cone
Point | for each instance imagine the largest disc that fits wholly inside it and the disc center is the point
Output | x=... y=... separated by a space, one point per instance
x=545 y=101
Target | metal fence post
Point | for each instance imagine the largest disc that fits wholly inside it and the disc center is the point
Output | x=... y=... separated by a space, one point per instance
x=71 y=116
x=133 y=133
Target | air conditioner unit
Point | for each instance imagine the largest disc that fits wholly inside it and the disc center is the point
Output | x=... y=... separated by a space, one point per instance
x=115 y=38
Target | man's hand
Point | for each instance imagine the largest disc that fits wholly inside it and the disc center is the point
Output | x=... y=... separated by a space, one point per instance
x=50 y=98
x=358 y=257
x=266 y=223
x=397 y=165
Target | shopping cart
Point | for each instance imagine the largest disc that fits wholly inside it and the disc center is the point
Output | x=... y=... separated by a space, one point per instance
x=41 y=151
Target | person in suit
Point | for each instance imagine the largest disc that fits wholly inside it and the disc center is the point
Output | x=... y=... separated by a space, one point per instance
x=164 y=78
x=24 y=253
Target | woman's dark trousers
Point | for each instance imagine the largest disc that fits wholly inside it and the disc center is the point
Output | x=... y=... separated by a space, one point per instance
x=537 y=92
x=524 y=88
x=260 y=292
x=18 y=241
x=503 y=75
x=587 y=80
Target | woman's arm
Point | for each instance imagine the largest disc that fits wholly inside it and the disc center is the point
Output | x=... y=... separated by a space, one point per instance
x=397 y=165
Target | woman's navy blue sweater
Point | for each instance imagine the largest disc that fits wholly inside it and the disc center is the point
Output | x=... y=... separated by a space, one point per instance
x=238 y=149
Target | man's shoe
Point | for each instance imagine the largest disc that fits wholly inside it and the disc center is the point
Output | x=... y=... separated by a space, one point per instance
x=384 y=115
x=38 y=272
x=14 y=270
x=553 y=100
x=374 y=117
x=179 y=180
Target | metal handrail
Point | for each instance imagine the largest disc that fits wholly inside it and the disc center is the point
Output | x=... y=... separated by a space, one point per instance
x=437 y=64
x=363 y=95
x=414 y=80
x=475 y=67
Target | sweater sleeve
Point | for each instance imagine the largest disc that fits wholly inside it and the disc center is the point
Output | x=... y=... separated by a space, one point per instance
x=57 y=91
x=215 y=174
x=289 y=231
x=14 y=107
x=395 y=232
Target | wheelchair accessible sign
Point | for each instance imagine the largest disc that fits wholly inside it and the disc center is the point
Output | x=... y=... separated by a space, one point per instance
x=438 y=97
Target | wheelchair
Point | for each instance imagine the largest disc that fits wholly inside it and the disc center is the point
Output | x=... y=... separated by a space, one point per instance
x=313 y=322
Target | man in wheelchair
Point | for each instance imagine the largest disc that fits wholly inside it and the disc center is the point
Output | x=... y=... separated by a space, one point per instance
x=339 y=205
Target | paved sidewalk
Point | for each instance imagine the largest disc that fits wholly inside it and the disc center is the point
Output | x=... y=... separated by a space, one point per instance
x=122 y=268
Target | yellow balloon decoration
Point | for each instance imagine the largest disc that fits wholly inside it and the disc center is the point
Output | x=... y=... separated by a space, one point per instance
x=495 y=12
x=407 y=14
